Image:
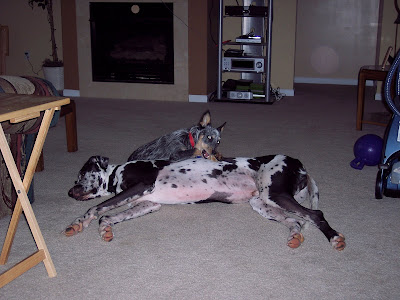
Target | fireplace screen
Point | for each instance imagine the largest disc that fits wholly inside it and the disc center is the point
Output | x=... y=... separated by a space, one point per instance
x=132 y=42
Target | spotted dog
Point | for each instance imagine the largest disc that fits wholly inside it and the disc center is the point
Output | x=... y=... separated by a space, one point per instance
x=274 y=185
x=200 y=140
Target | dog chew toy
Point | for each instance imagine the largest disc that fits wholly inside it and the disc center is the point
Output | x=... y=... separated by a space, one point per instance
x=367 y=151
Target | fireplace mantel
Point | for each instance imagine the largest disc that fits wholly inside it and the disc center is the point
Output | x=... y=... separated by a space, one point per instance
x=194 y=59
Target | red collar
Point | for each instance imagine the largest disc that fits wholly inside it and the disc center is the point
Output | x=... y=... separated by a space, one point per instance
x=191 y=139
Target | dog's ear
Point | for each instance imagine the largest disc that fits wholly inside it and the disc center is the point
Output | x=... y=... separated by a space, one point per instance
x=94 y=159
x=103 y=162
x=221 y=128
x=205 y=119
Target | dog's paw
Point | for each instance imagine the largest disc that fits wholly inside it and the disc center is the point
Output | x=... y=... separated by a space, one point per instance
x=295 y=240
x=107 y=234
x=218 y=156
x=338 y=242
x=73 y=229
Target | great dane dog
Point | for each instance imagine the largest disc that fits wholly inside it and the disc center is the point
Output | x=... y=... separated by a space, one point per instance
x=274 y=185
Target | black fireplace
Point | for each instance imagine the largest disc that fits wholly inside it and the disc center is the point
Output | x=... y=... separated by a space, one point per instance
x=132 y=42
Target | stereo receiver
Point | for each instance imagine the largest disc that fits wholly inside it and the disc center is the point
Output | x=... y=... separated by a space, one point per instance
x=243 y=64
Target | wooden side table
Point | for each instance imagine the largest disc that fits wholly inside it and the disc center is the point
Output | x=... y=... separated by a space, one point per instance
x=17 y=108
x=367 y=73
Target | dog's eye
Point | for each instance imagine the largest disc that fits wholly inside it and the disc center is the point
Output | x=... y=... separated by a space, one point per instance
x=209 y=137
x=218 y=142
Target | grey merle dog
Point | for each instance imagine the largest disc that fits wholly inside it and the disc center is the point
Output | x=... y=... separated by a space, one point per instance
x=274 y=185
x=181 y=144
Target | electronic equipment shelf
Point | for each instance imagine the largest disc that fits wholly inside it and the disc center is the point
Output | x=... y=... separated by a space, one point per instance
x=255 y=63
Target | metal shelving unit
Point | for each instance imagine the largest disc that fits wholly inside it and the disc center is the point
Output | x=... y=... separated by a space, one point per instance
x=261 y=25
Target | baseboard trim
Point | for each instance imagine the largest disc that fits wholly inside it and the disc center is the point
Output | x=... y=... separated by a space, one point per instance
x=378 y=96
x=287 y=92
x=198 y=98
x=71 y=93
x=338 y=81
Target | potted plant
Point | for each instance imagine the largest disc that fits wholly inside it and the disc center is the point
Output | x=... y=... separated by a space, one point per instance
x=53 y=68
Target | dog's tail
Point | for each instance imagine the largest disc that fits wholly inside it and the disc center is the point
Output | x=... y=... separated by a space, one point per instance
x=313 y=192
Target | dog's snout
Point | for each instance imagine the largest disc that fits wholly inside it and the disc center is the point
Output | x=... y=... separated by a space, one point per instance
x=76 y=190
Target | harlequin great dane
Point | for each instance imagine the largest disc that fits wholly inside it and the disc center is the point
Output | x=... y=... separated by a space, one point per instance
x=274 y=185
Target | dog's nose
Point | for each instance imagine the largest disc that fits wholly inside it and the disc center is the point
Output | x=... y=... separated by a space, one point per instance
x=76 y=190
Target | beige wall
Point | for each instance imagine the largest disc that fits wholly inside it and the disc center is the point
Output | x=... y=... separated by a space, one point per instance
x=29 y=31
x=283 y=44
x=335 y=38
x=388 y=34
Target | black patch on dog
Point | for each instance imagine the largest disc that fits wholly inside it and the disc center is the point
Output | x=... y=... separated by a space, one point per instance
x=174 y=186
x=215 y=173
x=229 y=160
x=162 y=163
x=183 y=171
x=111 y=188
x=204 y=180
x=143 y=172
x=255 y=163
x=229 y=168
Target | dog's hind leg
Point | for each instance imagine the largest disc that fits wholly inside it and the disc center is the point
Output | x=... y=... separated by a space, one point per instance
x=313 y=193
x=140 y=209
x=316 y=217
x=277 y=214
x=308 y=190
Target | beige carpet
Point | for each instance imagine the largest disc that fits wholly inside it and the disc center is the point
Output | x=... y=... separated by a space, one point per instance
x=217 y=251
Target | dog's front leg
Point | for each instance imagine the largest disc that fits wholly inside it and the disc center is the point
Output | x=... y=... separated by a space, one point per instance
x=81 y=222
x=120 y=199
x=218 y=156
x=276 y=214
x=136 y=211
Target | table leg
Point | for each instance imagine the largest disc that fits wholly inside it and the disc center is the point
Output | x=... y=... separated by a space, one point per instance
x=360 y=100
x=23 y=204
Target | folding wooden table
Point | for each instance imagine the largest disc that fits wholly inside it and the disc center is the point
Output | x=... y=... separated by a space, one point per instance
x=17 y=108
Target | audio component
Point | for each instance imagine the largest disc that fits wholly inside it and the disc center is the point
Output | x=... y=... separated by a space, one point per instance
x=240 y=95
x=251 y=10
x=243 y=64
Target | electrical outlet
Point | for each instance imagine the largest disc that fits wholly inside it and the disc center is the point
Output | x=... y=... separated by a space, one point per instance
x=27 y=55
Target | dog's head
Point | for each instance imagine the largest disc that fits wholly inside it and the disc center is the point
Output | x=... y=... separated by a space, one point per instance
x=208 y=138
x=92 y=180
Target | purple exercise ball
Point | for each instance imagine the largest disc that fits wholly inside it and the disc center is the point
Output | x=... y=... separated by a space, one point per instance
x=367 y=150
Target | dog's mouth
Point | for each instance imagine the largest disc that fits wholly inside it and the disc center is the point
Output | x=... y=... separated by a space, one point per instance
x=205 y=154
x=79 y=194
